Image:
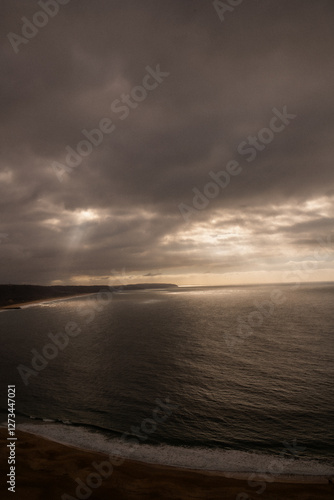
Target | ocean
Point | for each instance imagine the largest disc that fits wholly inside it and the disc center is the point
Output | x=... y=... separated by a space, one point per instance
x=221 y=378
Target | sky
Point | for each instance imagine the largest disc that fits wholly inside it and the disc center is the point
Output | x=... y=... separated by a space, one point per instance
x=180 y=141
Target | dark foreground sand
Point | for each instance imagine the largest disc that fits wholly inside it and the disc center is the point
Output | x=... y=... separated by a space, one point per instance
x=46 y=470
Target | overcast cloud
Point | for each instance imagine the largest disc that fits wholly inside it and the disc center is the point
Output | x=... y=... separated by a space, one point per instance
x=118 y=211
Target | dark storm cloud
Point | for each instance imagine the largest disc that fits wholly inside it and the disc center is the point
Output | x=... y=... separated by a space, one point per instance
x=224 y=80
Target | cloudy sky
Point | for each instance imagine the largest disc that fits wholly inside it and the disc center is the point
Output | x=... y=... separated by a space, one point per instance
x=211 y=156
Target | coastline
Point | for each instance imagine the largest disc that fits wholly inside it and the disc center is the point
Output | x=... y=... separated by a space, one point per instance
x=15 y=296
x=44 y=465
x=21 y=305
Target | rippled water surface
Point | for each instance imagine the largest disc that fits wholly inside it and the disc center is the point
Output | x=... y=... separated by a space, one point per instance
x=233 y=373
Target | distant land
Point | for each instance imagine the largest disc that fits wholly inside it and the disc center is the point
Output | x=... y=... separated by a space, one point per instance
x=10 y=295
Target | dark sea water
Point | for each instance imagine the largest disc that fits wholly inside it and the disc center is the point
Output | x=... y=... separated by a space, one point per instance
x=202 y=377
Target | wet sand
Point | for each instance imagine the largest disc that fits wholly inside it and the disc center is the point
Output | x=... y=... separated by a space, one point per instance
x=47 y=470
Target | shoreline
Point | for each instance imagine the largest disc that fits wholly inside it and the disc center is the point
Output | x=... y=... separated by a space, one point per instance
x=21 y=305
x=309 y=469
x=15 y=296
x=243 y=475
x=281 y=478
x=46 y=467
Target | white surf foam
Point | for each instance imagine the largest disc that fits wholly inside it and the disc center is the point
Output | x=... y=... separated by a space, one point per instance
x=178 y=456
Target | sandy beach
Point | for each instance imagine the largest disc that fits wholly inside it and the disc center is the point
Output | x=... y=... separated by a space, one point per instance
x=49 y=470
